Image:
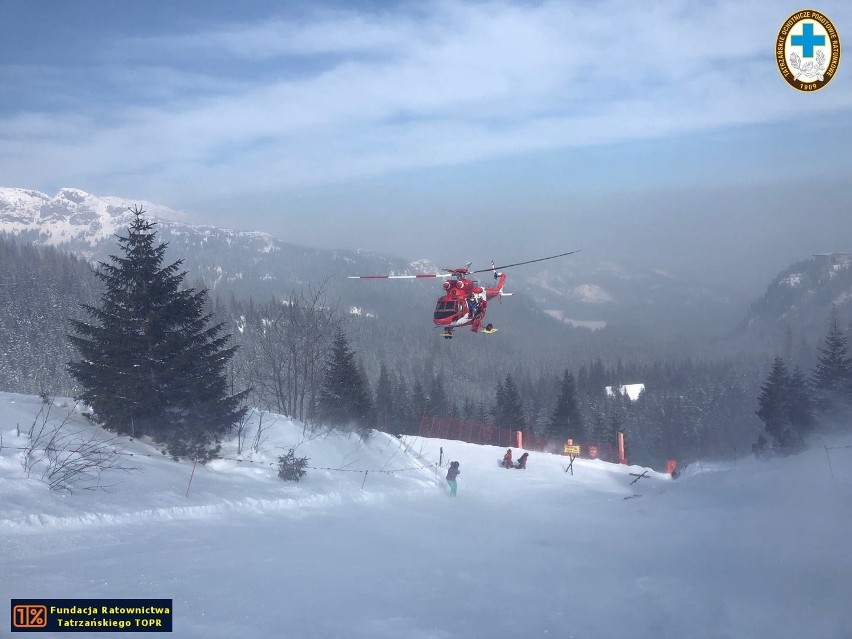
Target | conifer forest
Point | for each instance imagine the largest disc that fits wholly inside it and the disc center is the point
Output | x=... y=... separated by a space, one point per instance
x=152 y=352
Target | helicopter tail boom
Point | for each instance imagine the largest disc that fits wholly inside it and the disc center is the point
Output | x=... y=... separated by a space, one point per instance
x=497 y=289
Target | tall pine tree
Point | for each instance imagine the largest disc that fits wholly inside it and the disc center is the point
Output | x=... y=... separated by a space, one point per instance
x=801 y=403
x=566 y=421
x=384 y=401
x=401 y=413
x=774 y=409
x=509 y=412
x=419 y=405
x=344 y=398
x=439 y=403
x=151 y=361
x=832 y=375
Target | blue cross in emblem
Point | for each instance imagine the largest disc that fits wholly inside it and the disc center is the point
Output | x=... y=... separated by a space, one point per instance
x=808 y=40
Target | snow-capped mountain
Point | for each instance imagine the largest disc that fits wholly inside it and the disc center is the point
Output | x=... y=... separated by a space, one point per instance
x=71 y=216
x=248 y=262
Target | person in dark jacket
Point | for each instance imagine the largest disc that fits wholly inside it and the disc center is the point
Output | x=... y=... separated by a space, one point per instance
x=472 y=306
x=522 y=461
x=507 y=459
x=452 y=473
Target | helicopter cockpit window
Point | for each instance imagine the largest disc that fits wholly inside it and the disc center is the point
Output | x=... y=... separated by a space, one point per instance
x=443 y=309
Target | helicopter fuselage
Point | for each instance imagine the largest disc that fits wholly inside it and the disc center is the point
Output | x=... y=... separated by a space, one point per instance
x=453 y=309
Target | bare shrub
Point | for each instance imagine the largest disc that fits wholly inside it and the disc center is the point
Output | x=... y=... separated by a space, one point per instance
x=67 y=459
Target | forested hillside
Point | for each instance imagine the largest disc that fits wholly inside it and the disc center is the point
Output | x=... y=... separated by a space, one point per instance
x=693 y=406
x=40 y=289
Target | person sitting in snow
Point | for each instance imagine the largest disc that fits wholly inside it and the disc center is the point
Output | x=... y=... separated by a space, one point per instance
x=452 y=473
x=522 y=461
x=507 y=459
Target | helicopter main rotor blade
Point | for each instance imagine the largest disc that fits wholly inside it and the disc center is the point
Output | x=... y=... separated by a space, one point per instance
x=396 y=277
x=541 y=259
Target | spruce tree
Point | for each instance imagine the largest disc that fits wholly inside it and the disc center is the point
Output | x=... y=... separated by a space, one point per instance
x=512 y=413
x=565 y=421
x=602 y=433
x=499 y=411
x=344 y=398
x=439 y=403
x=481 y=413
x=401 y=414
x=151 y=361
x=801 y=403
x=384 y=401
x=468 y=409
x=419 y=404
x=596 y=380
x=774 y=409
x=832 y=375
x=615 y=421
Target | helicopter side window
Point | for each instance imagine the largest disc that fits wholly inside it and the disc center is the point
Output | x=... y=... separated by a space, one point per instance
x=443 y=309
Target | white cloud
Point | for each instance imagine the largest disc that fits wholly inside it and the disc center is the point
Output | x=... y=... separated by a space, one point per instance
x=447 y=84
x=326 y=32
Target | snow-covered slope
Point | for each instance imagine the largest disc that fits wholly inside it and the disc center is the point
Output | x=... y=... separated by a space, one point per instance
x=156 y=487
x=736 y=550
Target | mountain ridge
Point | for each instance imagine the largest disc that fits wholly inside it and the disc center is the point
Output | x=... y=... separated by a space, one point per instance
x=799 y=301
x=577 y=291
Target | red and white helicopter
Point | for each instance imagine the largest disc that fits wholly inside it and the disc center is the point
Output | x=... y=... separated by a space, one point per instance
x=464 y=302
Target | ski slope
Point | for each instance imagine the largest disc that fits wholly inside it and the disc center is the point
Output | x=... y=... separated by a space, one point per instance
x=369 y=544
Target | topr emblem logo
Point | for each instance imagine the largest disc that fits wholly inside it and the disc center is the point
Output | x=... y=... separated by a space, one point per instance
x=807 y=50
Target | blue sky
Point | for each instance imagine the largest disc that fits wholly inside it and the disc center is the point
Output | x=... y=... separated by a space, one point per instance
x=435 y=129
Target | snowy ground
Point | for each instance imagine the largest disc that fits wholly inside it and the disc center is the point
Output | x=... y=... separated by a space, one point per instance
x=727 y=551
